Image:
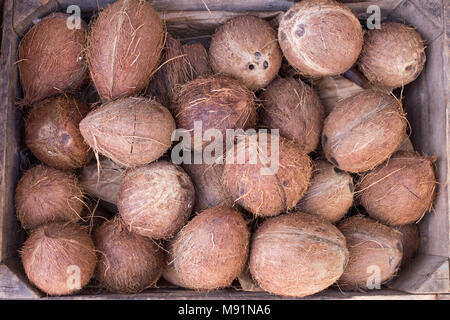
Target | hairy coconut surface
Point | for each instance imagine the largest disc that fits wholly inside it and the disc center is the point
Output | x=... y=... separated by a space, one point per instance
x=294 y=108
x=266 y=193
x=156 y=200
x=197 y=60
x=59 y=258
x=393 y=55
x=130 y=131
x=401 y=190
x=50 y=58
x=52 y=133
x=218 y=101
x=246 y=48
x=330 y=192
x=363 y=130
x=127 y=262
x=375 y=253
x=297 y=255
x=124 y=47
x=320 y=37
x=45 y=194
x=410 y=242
x=211 y=250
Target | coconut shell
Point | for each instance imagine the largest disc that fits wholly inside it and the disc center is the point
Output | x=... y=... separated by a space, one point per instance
x=294 y=108
x=52 y=133
x=219 y=102
x=246 y=48
x=197 y=59
x=211 y=250
x=401 y=190
x=393 y=55
x=363 y=130
x=410 y=242
x=59 y=258
x=51 y=59
x=330 y=192
x=156 y=200
x=320 y=38
x=297 y=255
x=45 y=195
x=124 y=47
x=373 y=247
x=130 y=131
x=261 y=193
x=127 y=262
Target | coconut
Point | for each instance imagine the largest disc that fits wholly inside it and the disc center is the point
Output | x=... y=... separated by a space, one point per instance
x=297 y=255
x=124 y=47
x=50 y=58
x=52 y=133
x=401 y=190
x=130 y=131
x=44 y=195
x=219 y=102
x=156 y=200
x=410 y=242
x=375 y=253
x=393 y=55
x=294 y=108
x=260 y=184
x=127 y=262
x=246 y=48
x=197 y=60
x=330 y=192
x=320 y=38
x=59 y=258
x=363 y=130
x=211 y=250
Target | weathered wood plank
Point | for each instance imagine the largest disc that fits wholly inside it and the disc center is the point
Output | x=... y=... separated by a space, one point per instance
x=13 y=285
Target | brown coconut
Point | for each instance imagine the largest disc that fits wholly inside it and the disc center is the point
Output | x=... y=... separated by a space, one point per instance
x=375 y=253
x=363 y=130
x=131 y=131
x=52 y=133
x=59 y=258
x=294 y=108
x=127 y=262
x=257 y=191
x=246 y=48
x=330 y=192
x=320 y=38
x=297 y=255
x=410 y=242
x=401 y=190
x=211 y=250
x=218 y=101
x=45 y=195
x=51 y=59
x=124 y=47
x=393 y=55
x=156 y=200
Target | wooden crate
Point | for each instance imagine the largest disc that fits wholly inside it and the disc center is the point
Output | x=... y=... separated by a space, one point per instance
x=426 y=102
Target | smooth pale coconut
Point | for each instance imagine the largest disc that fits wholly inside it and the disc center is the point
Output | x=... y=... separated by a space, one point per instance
x=127 y=262
x=211 y=250
x=124 y=47
x=320 y=38
x=393 y=55
x=410 y=242
x=363 y=130
x=330 y=192
x=130 y=131
x=246 y=48
x=294 y=108
x=260 y=184
x=59 y=258
x=297 y=255
x=156 y=200
x=375 y=253
x=45 y=195
x=401 y=191
x=52 y=133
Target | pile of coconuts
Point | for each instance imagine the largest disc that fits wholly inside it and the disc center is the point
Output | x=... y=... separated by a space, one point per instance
x=104 y=204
